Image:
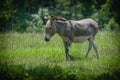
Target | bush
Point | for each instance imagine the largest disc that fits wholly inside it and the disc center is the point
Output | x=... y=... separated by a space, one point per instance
x=112 y=25
x=34 y=26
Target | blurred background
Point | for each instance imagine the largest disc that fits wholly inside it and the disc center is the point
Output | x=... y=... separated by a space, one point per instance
x=27 y=15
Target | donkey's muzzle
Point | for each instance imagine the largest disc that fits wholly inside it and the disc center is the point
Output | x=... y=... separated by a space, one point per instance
x=46 y=39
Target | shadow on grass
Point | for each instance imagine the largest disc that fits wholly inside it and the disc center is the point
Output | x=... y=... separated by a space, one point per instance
x=114 y=75
x=18 y=72
x=45 y=72
x=83 y=58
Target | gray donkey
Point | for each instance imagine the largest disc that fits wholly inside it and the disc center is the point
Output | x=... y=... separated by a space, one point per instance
x=72 y=31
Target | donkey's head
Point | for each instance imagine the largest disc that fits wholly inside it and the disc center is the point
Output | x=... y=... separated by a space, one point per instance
x=50 y=27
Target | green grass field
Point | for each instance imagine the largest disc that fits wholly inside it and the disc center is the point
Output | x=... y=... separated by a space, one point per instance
x=26 y=56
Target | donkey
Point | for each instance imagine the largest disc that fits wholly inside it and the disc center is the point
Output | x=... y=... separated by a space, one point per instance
x=72 y=31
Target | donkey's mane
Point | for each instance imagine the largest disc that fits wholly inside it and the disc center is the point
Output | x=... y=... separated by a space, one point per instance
x=58 y=18
x=53 y=18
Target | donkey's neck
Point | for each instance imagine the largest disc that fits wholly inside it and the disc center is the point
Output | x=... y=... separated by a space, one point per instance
x=60 y=30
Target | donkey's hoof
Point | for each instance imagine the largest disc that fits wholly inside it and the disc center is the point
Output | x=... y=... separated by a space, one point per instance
x=98 y=57
x=86 y=56
x=72 y=58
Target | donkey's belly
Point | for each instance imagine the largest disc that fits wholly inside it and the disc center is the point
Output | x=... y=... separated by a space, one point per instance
x=80 y=39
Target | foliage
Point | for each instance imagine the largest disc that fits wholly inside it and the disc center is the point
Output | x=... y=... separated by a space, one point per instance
x=112 y=25
x=35 y=25
x=15 y=15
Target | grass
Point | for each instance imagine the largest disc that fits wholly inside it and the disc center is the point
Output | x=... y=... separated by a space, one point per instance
x=27 y=56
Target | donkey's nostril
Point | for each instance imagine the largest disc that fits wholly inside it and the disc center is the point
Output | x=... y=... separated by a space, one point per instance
x=46 y=39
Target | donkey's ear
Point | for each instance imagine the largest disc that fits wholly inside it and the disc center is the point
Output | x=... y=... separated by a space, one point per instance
x=46 y=18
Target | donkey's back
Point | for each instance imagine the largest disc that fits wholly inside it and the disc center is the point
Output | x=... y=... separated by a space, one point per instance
x=87 y=23
x=83 y=29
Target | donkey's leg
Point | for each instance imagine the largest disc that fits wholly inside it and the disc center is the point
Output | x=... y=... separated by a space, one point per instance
x=67 y=45
x=90 y=46
x=96 y=49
